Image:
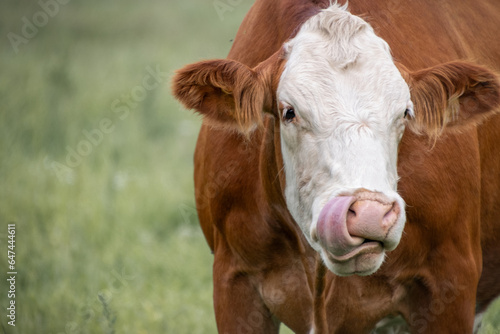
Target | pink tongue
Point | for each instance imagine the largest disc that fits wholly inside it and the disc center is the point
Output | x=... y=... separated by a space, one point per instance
x=332 y=228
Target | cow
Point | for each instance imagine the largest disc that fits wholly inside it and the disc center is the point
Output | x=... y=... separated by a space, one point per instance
x=347 y=169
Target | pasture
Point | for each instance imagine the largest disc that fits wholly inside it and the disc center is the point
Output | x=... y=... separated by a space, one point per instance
x=96 y=165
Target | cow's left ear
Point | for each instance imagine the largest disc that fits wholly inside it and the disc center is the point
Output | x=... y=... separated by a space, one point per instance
x=452 y=94
x=227 y=93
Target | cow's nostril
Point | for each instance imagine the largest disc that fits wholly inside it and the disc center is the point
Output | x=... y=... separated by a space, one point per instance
x=390 y=210
x=351 y=211
x=391 y=215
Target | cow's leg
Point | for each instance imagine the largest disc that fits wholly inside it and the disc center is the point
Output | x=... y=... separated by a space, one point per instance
x=286 y=291
x=239 y=308
x=444 y=304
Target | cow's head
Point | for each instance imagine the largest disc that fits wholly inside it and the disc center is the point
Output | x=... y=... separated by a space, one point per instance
x=343 y=106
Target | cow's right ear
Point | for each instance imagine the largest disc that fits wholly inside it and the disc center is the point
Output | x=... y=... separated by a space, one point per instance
x=227 y=93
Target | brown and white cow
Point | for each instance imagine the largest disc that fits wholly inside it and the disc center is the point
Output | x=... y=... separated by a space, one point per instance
x=371 y=140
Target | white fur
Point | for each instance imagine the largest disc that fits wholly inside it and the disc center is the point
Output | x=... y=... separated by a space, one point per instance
x=349 y=99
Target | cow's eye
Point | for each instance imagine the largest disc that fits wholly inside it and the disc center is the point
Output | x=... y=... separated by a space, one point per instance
x=409 y=111
x=288 y=114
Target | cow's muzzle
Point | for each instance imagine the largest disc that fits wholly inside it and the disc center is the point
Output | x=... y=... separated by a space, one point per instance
x=355 y=231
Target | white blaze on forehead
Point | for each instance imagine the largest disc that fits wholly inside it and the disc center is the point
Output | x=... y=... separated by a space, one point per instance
x=349 y=99
x=337 y=65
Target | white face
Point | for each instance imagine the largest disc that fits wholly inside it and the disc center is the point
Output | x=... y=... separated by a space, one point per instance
x=343 y=104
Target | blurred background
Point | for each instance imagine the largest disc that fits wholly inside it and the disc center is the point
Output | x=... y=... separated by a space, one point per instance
x=96 y=164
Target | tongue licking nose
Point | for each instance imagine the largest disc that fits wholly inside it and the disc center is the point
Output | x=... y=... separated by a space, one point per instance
x=347 y=222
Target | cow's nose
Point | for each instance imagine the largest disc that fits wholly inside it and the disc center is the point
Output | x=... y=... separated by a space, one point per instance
x=371 y=219
x=347 y=222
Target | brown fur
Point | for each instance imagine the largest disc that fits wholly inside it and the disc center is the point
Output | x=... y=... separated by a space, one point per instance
x=452 y=94
x=447 y=261
x=226 y=92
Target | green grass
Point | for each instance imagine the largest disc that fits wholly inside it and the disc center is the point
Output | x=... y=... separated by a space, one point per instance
x=110 y=244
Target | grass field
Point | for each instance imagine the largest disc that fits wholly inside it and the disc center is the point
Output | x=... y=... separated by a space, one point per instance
x=96 y=165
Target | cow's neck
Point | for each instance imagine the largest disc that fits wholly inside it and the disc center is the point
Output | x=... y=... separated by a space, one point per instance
x=273 y=182
x=271 y=163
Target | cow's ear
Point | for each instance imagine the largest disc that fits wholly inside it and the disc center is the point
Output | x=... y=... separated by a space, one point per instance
x=227 y=93
x=452 y=94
